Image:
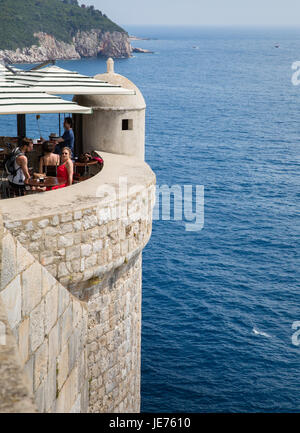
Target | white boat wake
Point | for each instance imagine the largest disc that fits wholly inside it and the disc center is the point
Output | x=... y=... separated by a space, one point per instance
x=257 y=332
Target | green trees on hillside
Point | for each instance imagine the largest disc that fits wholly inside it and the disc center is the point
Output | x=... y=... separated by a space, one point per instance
x=20 y=19
x=71 y=2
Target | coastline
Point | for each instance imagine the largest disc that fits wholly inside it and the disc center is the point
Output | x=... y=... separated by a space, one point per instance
x=87 y=44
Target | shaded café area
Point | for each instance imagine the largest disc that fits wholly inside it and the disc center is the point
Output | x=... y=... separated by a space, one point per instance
x=42 y=163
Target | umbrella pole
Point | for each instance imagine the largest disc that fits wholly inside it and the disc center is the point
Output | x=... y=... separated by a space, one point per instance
x=21 y=125
x=37 y=121
x=59 y=128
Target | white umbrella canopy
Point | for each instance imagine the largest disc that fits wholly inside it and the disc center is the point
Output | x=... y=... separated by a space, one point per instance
x=18 y=99
x=8 y=73
x=58 y=81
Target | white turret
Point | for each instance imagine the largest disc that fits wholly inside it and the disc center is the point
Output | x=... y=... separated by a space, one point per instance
x=117 y=124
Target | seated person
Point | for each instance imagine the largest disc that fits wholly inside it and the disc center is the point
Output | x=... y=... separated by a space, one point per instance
x=65 y=170
x=67 y=140
x=49 y=161
x=53 y=137
x=19 y=176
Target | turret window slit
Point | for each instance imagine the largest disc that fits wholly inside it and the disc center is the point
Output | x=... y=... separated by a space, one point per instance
x=127 y=124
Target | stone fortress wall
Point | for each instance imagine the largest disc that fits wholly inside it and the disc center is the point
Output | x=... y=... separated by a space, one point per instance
x=50 y=330
x=70 y=293
x=78 y=336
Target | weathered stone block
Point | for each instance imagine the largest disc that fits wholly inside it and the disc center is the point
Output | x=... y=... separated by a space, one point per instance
x=52 y=231
x=36 y=331
x=24 y=340
x=51 y=309
x=51 y=243
x=84 y=398
x=55 y=220
x=88 y=274
x=76 y=408
x=75 y=266
x=91 y=261
x=104 y=215
x=36 y=235
x=24 y=258
x=88 y=236
x=124 y=247
x=22 y=237
x=52 y=269
x=12 y=298
x=116 y=251
x=62 y=366
x=54 y=346
x=86 y=250
x=62 y=270
x=40 y=398
x=77 y=238
x=9 y=260
x=50 y=388
x=77 y=226
x=28 y=369
x=102 y=231
x=72 y=253
x=78 y=215
x=63 y=299
x=65 y=241
x=74 y=391
x=32 y=288
x=88 y=211
x=67 y=228
x=67 y=217
x=12 y=224
x=93 y=347
x=97 y=246
x=63 y=402
x=41 y=364
x=47 y=258
x=77 y=312
x=48 y=281
x=66 y=322
x=77 y=277
x=112 y=229
x=29 y=226
x=43 y=223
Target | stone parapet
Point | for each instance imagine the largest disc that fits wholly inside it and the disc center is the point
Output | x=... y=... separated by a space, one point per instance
x=79 y=233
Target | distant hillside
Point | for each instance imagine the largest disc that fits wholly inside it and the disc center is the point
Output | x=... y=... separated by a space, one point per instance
x=62 y=19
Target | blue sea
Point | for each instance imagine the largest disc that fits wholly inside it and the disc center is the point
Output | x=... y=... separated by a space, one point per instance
x=219 y=304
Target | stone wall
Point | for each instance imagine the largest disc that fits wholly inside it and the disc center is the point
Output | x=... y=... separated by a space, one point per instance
x=15 y=395
x=81 y=246
x=50 y=330
x=114 y=339
x=89 y=242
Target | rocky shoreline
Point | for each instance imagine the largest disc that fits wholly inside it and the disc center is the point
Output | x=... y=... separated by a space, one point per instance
x=142 y=51
x=85 y=44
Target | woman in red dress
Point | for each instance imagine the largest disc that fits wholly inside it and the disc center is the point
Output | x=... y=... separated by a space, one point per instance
x=65 y=169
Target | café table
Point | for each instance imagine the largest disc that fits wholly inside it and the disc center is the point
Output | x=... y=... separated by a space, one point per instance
x=86 y=166
x=49 y=181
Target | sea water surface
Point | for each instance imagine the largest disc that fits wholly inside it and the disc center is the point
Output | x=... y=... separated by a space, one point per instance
x=219 y=304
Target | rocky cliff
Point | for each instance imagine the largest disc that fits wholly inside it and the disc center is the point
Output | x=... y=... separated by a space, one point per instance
x=85 y=44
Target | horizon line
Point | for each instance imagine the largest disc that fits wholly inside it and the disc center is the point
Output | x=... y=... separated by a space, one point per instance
x=216 y=25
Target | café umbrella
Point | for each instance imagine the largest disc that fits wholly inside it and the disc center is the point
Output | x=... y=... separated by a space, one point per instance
x=58 y=81
x=21 y=100
x=8 y=72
